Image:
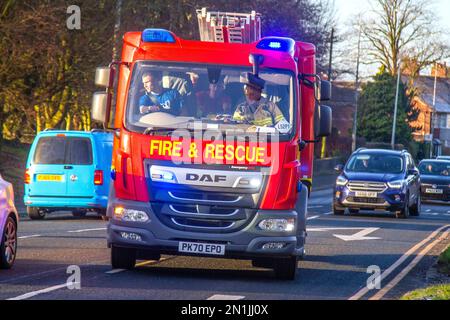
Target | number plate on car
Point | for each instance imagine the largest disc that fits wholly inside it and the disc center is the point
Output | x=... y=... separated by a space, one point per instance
x=202 y=248
x=49 y=177
x=436 y=191
x=366 y=194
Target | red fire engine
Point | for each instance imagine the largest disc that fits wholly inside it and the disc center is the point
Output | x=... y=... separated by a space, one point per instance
x=213 y=145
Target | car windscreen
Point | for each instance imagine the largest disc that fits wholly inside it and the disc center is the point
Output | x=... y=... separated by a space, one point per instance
x=375 y=163
x=63 y=150
x=184 y=96
x=434 y=168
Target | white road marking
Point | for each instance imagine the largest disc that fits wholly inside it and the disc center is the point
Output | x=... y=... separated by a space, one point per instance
x=314 y=207
x=86 y=230
x=361 y=293
x=328 y=213
x=428 y=210
x=361 y=235
x=313 y=217
x=113 y=271
x=28 y=237
x=380 y=294
x=225 y=297
x=435 y=214
x=38 y=292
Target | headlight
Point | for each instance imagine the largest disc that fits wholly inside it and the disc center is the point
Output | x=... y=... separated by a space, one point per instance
x=341 y=181
x=162 y=175
x=395 y=184
x=283 y=225
x=130 y=215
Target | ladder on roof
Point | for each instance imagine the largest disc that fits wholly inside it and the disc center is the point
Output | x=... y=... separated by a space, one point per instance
x=229 y=27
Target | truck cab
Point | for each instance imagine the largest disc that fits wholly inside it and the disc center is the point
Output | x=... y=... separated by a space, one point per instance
x=192 y=177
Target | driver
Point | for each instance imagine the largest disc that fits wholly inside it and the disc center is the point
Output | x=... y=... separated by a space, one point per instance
x=157 y=98
x=257 y=110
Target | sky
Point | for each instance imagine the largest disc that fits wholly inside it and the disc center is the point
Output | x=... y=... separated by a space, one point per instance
x=346 y=9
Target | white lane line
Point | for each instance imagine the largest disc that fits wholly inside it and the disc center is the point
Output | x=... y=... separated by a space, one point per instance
x=313 y=217
x=113 y=271
x=435 y=214
x=428 y=210
x=314 y=207
x=38 y=292
x=86 y=230
x=28 y=237
x=408 y=268
x=361 y=293
x=225 y=297
x=328 y=213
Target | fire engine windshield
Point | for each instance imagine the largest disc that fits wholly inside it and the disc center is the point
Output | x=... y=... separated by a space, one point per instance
x=184 y=96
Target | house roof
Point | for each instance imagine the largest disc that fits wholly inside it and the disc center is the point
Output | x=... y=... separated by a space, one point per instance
x=425 y=90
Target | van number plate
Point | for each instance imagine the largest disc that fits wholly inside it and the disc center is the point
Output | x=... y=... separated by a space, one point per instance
x=202 y=248
x=366 y=194
x=49 y=177
x=436 y=191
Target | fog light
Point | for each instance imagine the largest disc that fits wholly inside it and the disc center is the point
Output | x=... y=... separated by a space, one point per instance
x=283 y=225
x=255 y=183
x=130 y=215
x=273 y=246
x=131 y=236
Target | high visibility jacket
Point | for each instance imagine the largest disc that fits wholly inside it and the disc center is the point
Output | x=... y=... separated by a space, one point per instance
x=261 y=113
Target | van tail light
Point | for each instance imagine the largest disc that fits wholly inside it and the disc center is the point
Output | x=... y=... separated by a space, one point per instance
x=27 y=177
x=98 y=177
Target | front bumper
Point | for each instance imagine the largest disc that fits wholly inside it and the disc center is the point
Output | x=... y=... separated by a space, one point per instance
x=388 y=200
x=157 y=238
x=428 y=196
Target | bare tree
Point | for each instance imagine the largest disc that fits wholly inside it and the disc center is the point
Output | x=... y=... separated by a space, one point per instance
x=399 y=29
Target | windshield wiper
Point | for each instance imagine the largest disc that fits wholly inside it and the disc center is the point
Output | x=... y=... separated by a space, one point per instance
x=154 y=130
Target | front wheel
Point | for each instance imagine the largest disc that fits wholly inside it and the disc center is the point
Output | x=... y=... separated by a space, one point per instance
x=286 y=268
x=404 y=212
x=8 y=247
x=123 y=258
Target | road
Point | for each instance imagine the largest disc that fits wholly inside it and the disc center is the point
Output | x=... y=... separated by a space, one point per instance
x=339 y=251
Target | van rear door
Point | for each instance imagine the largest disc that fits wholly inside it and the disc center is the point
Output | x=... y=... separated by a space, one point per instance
x=80 y=167
x=49 y=177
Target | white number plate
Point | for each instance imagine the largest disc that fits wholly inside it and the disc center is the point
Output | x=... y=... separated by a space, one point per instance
x=366 y=194
x=438 y=191
x=202 y=248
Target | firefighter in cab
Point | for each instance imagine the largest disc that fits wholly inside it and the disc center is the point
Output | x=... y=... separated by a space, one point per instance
x=258 y=111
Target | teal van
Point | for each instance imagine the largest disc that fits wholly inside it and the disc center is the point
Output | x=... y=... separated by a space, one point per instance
x=68 y=171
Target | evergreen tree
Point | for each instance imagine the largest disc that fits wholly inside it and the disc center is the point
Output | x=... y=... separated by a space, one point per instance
x=377 y=110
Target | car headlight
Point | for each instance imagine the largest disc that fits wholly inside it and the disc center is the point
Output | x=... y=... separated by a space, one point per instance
x=130 y=215
x=283 y=225
x=341 y=181
x=395 y=184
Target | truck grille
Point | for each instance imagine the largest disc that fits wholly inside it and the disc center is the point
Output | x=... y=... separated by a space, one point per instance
x=367 y=186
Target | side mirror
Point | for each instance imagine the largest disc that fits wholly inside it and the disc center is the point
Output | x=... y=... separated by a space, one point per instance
x=339 y=168
x=102 y=76
x=413 y=172
x=323 y=117
x=325 y=90
x=99 y=106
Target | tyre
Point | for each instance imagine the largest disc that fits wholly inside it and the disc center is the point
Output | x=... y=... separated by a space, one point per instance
x=286 y=268
x=79 y=213
x=102 y=214
x=35 y=213
x=123 y=258
x=415 y=210
x=354 y=211
x=404 y=212
x=8 y=246
x=338 y=212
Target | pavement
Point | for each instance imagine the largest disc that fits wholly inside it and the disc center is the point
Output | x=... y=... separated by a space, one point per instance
x=344 y=254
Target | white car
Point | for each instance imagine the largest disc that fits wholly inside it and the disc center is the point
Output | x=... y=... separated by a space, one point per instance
x=8 y=225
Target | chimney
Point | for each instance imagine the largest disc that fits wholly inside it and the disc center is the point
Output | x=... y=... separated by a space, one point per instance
x=440 y=70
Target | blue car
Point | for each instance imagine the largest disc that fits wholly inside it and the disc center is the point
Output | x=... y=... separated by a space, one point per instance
x=378 y=180
x=68 y=171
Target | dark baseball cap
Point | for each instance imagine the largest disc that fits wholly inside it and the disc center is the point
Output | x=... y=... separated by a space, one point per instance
x=252 y=80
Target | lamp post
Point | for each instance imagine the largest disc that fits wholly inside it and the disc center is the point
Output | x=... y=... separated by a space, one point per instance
x=394 y=124
x=355 y=119
x=433 y=114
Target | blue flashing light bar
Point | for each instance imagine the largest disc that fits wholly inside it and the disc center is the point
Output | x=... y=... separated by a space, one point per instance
x=157 y=35
x=277 y=44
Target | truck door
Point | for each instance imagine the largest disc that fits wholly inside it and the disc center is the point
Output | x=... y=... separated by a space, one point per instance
x=80 y=167
x=48 y=176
